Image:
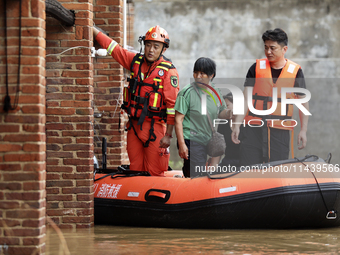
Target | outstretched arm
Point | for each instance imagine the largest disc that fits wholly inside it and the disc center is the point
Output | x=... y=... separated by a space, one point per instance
x=122 y=56
x=95 y=32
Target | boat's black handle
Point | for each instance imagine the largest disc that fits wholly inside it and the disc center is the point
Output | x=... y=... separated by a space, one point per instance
x=157 y=195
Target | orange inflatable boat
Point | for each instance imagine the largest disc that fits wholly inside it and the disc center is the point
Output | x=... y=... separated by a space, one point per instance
x=295 y=193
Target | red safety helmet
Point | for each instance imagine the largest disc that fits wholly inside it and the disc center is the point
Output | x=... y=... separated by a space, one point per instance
x=157 y=34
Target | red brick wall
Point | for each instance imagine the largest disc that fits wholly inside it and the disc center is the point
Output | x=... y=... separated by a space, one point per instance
x=22 y=131
x=108 y=84
x=46 y=143
x=69 y=116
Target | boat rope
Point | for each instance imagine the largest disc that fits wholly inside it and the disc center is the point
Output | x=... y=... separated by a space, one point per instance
x=331 y=214
x=100 y=178
x=129 y=173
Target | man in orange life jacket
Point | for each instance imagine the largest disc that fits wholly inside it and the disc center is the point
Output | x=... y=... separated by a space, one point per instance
x=271 y=141
x=148 y=100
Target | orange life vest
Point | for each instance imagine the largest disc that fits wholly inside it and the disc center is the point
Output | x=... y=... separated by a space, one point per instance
x=143 y=98
x=263 y=92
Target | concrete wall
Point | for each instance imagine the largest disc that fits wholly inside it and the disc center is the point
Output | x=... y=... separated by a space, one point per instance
x=230 y=33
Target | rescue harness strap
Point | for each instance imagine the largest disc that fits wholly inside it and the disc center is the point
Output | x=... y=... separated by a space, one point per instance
x=152 y=136
x=142 y=100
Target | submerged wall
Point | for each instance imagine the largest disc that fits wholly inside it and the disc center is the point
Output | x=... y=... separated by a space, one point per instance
x=230 y=33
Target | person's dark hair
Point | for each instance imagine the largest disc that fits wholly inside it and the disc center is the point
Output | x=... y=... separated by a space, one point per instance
x=276 y=35
x=205 y=65
x=229 y=96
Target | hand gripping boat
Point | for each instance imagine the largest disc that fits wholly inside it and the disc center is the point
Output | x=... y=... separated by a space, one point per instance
x=295 y=193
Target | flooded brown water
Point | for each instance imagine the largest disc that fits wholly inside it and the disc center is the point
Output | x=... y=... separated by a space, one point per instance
x=127 y=240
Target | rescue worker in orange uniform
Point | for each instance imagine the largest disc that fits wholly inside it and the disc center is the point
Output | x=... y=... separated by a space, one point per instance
x=271 y=141
x=148 y=100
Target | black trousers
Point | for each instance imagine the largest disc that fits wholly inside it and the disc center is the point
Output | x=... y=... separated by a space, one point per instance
x=254 y=147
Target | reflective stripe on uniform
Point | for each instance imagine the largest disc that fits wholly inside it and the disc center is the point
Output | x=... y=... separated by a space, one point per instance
x=111 y=47
x=155 y=100
x=170 y=111
x=162 y=67
x=125 y=94
x=159 y=80
x=166 y=63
